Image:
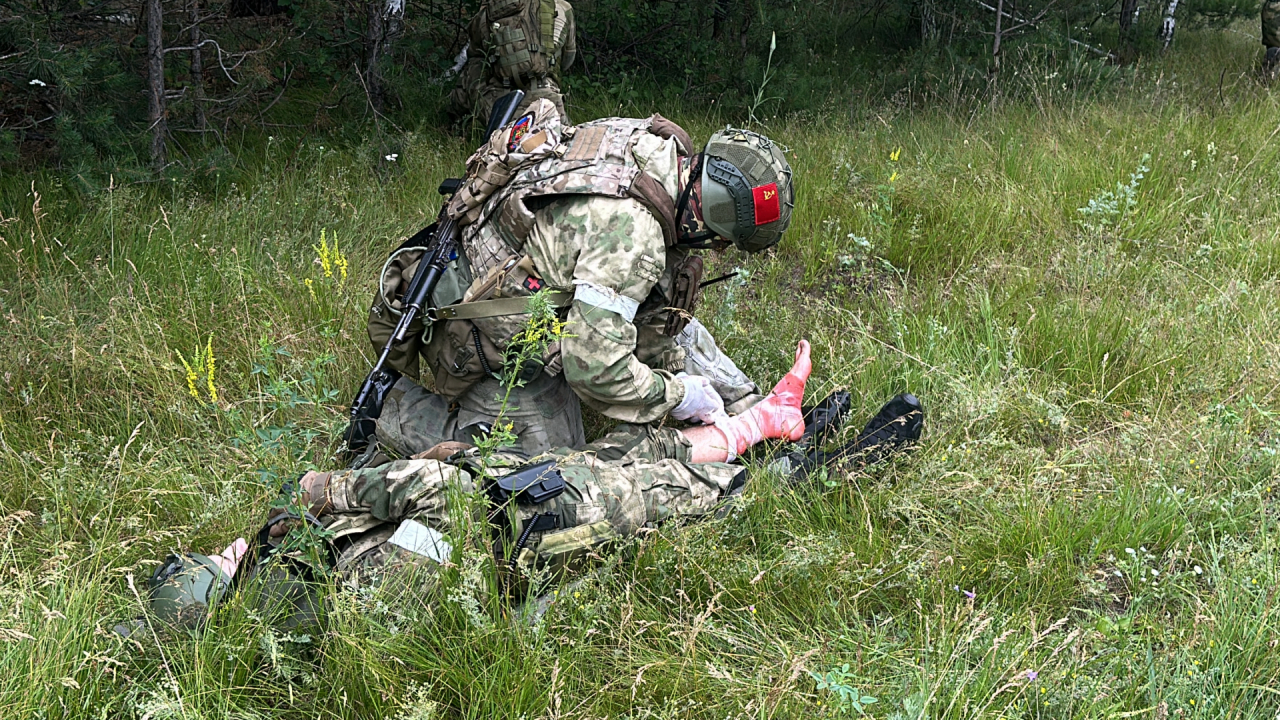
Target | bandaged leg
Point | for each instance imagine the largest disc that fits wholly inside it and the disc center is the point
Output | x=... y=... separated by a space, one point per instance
x=776 y=417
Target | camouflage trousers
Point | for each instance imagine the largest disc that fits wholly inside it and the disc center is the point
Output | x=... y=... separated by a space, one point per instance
x=635 y=477
x=475 y=93
x=545 y=413
x=1271 y=23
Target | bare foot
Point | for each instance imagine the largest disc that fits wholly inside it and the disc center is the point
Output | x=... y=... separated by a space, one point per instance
x=778 y=416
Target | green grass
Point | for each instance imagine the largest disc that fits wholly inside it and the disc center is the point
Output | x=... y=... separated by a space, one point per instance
x=1102 y=408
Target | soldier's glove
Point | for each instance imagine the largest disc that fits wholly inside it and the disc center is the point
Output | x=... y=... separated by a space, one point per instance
x=701 y=401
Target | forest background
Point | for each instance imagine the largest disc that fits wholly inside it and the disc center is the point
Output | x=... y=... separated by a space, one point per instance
x=1065 y=242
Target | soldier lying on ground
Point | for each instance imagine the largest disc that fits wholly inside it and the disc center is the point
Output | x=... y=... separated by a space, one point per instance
x=605 y=217
x=560 y=505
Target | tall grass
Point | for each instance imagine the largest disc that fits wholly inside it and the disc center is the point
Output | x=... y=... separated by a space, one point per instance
x=1088 y=530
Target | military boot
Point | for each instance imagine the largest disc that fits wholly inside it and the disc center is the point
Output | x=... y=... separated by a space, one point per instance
x=894 y=429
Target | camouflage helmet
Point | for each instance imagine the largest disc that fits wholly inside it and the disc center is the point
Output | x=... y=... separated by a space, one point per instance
x=746 y=189
x=183 y=588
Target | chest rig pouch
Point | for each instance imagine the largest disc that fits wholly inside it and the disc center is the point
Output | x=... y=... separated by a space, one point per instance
x=685 y=285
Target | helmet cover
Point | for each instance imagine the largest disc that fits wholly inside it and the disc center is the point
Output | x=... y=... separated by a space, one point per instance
x=183 y=588
x=747 y=194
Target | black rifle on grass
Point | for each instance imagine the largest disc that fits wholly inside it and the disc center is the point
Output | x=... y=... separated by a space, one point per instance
x=440 y=243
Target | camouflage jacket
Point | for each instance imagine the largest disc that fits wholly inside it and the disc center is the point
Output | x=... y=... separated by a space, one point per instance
x=575 y=213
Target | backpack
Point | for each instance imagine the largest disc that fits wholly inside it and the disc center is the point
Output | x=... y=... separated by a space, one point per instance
x=518 y=38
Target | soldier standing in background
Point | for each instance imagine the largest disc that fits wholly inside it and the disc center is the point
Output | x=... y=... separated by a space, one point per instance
x=1271 y=37
x=515 y=45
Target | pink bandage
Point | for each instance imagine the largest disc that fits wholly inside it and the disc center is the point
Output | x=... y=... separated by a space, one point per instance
x=778 y=416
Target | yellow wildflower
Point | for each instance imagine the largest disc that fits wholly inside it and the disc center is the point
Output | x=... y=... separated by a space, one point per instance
x=191 y=375
x=209 y=362
x=893 y=156
x=322 y=251
x=894 y=176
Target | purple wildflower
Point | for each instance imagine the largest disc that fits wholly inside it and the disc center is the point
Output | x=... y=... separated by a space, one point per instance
x=1032 y=675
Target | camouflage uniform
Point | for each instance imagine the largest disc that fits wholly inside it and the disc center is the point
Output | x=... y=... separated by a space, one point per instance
x=587 y=236
x=480 y=85
x=636 y=477
x=1271 y=23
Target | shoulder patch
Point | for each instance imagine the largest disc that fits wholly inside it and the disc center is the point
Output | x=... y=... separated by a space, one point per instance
x=518 y=131
x=586 y=143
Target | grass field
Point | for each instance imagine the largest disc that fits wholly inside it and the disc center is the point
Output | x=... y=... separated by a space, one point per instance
x=1087 y=532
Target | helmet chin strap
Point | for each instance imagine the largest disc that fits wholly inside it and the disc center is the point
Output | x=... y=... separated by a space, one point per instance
x=692 y=232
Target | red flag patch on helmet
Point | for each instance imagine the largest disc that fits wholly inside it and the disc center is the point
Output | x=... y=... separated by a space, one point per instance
x=768 y=208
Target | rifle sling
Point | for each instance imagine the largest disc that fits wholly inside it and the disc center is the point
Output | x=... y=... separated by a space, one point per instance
x=498 y=307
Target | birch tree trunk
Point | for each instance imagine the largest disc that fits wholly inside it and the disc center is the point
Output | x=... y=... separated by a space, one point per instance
x=928 y=22
x=385 y=19
x=155 y=82
x=197 y=68
x=1166 y=26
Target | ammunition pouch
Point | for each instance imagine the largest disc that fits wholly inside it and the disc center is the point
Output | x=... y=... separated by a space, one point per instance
x=460 y=350
x=684 y=294
x=460 y=356
x=527 y=485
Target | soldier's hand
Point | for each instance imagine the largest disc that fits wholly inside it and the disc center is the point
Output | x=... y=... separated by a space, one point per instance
x=701 y=401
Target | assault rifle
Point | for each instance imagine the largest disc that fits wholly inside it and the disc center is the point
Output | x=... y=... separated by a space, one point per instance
x=440 y=245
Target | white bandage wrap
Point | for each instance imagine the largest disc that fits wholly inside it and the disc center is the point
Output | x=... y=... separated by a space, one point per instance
x=606 y=299
x=701 y=402
x=422 y=540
